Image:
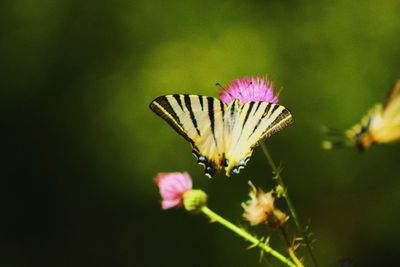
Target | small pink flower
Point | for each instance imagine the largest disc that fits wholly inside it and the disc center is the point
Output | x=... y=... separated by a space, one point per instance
x=249 y=89
x=172 y=187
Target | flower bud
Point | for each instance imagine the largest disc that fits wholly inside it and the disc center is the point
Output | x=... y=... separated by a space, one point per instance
x=194 y=200
x=280 y=191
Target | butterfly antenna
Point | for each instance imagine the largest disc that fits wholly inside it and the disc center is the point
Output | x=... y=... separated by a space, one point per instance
x=332 y=131
x=224 y=89
x=220 y=86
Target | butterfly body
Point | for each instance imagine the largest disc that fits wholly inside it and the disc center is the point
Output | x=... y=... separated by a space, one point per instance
x=222 y=136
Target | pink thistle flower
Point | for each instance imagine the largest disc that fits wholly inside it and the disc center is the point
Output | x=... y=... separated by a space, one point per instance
x=249 y=89
x=172 y=187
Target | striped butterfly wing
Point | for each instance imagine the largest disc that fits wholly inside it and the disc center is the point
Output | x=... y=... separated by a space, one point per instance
x=246 y=125
x=199 y=119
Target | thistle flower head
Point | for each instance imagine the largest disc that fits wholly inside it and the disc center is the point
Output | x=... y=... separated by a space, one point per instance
x=261 y=209
x=249 y=89
x=172 y=187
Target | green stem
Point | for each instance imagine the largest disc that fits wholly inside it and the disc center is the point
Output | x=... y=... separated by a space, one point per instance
x=293 y=213
x=216 y=218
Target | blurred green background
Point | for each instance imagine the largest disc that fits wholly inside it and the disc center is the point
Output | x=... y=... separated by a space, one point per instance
x=81 y=148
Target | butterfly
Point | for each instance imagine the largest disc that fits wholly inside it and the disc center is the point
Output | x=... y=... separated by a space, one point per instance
x=380 y=125
x=221 y=135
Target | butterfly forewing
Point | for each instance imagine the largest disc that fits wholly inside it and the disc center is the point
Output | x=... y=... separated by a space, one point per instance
x=199 y=119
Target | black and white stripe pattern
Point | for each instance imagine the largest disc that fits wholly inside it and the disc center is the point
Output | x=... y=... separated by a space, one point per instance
x=221 y=134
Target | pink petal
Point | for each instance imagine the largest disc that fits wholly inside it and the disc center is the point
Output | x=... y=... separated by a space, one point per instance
x=170 y=203
x=172 y=186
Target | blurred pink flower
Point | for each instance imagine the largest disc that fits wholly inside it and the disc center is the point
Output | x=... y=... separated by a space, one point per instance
x=249 y=89
x=172 y=187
